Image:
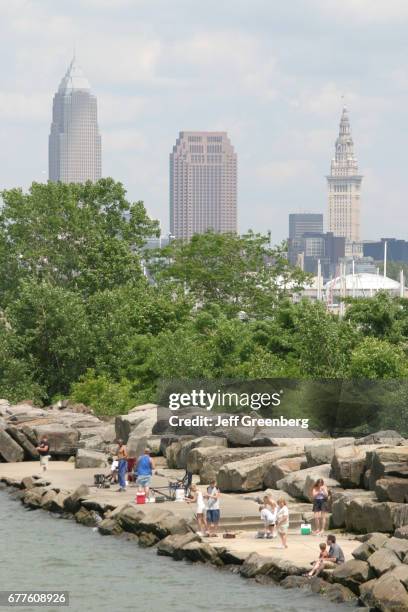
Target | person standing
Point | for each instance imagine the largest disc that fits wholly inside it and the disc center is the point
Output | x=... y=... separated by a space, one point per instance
x=197 y=496
x=320 y=495
x=122 y=466
x=144 y=469
x=282 y=521
x=43 y=450
x=213 y=508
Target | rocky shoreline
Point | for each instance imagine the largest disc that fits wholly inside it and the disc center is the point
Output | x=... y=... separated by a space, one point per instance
x=368 y=478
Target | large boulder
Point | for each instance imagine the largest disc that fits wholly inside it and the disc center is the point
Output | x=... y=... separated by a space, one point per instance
x=282 y=468
x=388 y=462
x=172 y=545
x=392 y=489
x=274 y=567
x=386 y=594
x=388 y=437
x=207 y=461
x=370 y=546
x=399 y=547
x=383 y=560
x=139 y=421
x=24 y=412
x=177 y=453
x=366 y=516
x=63 y=441
x=30 y=451
x=10 y=451
x=53 y=501
x=349 y=465
x=248 y=474
x=89 y=518
x=90 y=459
x=352 y=573
x=72 y=502
x=157 y=521
x=299 y=484
x=320 y=452
x=32 y=498
x=341 y=501
x=201 y=552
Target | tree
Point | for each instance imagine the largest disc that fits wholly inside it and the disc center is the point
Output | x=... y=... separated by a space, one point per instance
x=241 y=274
x=374 y=358
x=381 y=316
x=84 y=237
x=52 y=330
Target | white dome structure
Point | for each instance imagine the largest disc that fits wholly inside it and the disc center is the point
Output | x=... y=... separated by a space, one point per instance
x=362 y=285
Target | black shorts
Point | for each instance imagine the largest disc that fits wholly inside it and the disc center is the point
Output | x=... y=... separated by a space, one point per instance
x=320 y=505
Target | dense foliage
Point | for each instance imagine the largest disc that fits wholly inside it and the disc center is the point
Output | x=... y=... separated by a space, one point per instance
x=78 y=317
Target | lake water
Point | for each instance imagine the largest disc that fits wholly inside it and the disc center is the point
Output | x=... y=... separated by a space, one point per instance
x=105 y=574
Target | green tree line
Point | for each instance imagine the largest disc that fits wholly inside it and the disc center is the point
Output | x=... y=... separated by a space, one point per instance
x=79 y=318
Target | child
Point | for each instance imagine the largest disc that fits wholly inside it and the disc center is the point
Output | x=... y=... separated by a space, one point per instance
x=197 y=496
x=269 y=519
x=320 y=562
x=283 y=521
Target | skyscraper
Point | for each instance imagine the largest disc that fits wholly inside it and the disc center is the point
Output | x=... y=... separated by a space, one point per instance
x=74 y=146
x=203 y=184
x=344 y=185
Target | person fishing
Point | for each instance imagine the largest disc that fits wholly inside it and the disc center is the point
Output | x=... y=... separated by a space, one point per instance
x=122 y=467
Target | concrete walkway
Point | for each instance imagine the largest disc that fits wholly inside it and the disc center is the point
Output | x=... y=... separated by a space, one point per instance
x=302 y=549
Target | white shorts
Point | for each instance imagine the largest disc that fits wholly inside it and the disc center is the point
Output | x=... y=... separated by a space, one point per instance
x=200 y=510
x=44 y=460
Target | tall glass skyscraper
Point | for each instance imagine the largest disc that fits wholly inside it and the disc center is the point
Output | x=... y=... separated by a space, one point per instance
x=74 y=147
x=203 y=184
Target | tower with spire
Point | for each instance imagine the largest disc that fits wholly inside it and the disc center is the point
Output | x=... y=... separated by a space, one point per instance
x=74 y=145
x=344 y=184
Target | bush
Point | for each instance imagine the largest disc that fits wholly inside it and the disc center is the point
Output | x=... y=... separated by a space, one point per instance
x=103 y=395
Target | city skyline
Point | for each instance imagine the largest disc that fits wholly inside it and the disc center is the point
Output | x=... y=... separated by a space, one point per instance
x=271 y=76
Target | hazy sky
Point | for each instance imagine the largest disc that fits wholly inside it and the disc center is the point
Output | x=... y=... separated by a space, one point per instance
x=270 y=73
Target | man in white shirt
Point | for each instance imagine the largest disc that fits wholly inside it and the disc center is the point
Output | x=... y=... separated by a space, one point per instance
x=213 y=508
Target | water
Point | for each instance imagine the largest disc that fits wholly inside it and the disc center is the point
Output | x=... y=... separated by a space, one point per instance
x=105 y=574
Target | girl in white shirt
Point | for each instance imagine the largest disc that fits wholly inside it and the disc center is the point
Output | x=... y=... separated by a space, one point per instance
x=198 y=497
x=282 y=518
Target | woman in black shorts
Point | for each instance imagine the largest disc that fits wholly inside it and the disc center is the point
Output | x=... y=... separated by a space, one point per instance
x=320 y=496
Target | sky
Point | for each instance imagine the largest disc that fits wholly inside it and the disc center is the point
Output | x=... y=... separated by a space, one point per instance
x=273 y=74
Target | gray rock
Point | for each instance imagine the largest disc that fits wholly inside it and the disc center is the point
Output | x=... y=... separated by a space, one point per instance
x=30 y=451
x=281 y=468
x=299 y=484
x=352 y=573
x=109 y=527
x=172 y=545
x=398 y=546
x=388 y=462
x=207 y=461
x=392 y=489
x=201 y=552
x=63 y=441
x=387 y=594
x=320 y=452
x=382 y=561
x=248 y=474
x=366 y=516
x=390 y=437
x=89 y=518
x=53 y=501
x=73 y=501
x=341 y=502
x=178 y=452
x=139 y=421
x=402 y=532
x=274 y=567
x=349 y=464
x=32 y=498
x=370 y=546
x=10 y=451
x=90 y=459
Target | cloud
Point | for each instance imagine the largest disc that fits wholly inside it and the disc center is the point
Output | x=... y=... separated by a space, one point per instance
x=16 y=106
x=285 y=171
x=125 y=139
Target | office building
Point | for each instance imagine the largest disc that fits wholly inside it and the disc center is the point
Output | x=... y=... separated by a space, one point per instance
x=397 y=250
x=74 y=148
x=300 y=224
x=203 y=184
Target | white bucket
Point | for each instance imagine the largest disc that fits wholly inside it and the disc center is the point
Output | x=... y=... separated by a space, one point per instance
x=179 y=495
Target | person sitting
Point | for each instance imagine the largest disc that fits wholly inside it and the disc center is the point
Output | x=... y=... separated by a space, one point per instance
x=336 y=554
x=268 y=516
x=318 y=565
x=144 y=469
